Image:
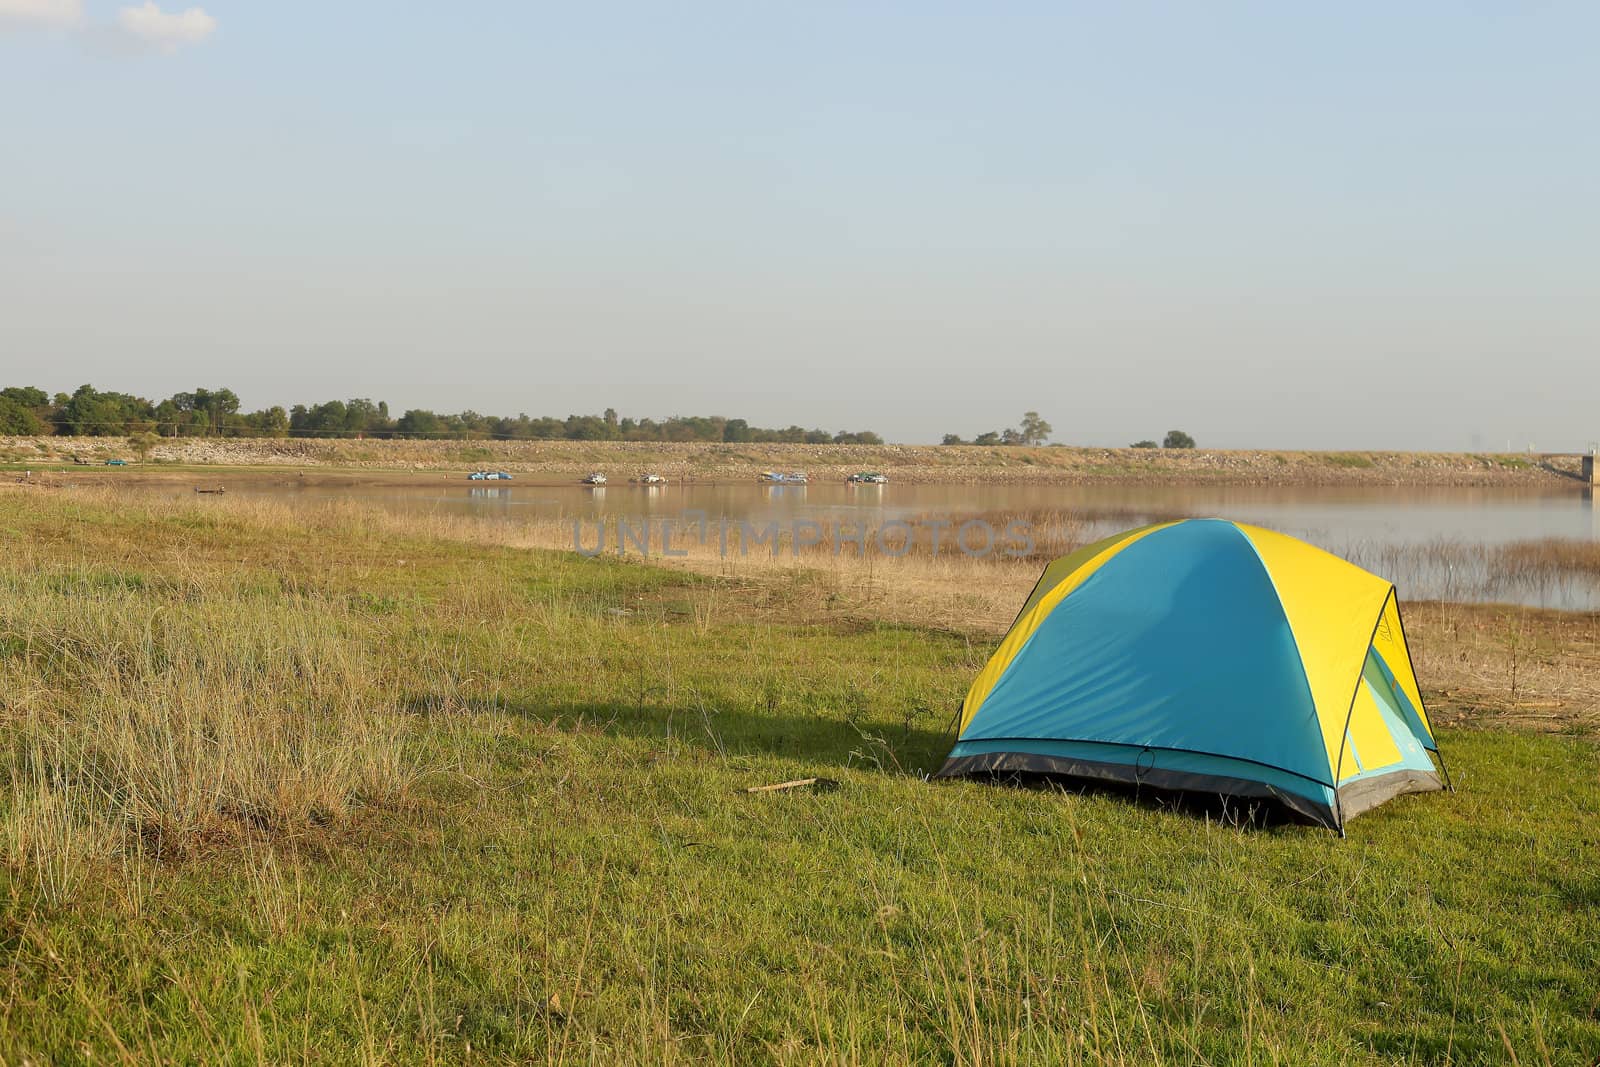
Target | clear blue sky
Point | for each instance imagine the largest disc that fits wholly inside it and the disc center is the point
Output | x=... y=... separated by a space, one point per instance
x=1354 y=225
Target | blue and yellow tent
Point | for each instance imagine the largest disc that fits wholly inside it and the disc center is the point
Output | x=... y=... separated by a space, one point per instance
x=1208 y=656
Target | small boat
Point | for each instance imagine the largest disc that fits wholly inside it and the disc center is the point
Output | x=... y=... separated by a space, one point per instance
x=489 y=476
x=218 y=489
x=868 y=478
x=651 y=479
x=595 y=479
x=783 y=477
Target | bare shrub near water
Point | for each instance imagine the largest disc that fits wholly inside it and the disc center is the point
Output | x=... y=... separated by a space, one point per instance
x=1553 y=557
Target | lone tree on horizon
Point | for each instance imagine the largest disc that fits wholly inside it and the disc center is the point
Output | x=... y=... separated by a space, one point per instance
x=1177 y=439
x=1034 y=431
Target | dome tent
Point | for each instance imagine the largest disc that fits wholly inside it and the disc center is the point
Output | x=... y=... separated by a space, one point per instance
x=1208 y=656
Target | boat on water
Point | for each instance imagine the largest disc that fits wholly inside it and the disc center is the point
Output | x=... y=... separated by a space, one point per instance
x=651 y=479
x=489 y=476
x=868 y=478
x=784 y=477
x=594 y=479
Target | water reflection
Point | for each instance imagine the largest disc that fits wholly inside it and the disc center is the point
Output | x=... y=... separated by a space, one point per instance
x=1434 y=543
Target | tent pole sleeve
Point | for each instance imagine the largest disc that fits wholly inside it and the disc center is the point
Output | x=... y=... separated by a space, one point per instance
x=954 y=719
x=1032 y=591
x=1448 y=783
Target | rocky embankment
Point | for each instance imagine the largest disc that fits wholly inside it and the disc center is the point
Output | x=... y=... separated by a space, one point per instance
x=957 y=464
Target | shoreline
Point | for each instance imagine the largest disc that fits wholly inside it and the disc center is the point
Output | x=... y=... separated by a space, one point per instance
x=351 y=463
x=1483 y=661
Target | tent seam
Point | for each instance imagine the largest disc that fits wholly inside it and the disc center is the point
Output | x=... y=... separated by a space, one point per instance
x=1299 y=655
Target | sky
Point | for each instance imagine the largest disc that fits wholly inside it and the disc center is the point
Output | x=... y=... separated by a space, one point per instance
x=1363 y=225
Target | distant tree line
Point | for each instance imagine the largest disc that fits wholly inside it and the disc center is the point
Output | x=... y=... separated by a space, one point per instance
x=1174 y=439
x=88 y=412
x=1033 y=431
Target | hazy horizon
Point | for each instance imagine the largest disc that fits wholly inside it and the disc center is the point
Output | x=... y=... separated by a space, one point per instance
x=1364 y=227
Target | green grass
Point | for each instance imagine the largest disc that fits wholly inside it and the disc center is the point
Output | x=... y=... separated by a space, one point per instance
x=1347 y=459
x=512 y=827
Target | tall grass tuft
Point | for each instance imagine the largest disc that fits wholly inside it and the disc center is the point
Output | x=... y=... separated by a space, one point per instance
x=50 y=831
x=180 y=713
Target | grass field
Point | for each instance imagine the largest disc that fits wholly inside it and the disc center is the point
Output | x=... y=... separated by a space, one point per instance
x=328 y=787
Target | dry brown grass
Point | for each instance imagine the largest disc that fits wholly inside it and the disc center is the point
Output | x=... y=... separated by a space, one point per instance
x=1478 y=663
x=1552 y=558
x=946 y=589
x=1507 y=665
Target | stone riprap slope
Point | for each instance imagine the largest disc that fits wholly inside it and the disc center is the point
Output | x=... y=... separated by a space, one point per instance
x=620 y=460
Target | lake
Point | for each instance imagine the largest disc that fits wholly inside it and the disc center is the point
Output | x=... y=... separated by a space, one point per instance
x=1434 y=543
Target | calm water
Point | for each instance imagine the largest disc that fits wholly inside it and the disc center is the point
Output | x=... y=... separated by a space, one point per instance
x=1433 y=543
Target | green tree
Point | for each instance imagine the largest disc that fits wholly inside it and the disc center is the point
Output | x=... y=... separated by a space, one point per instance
x=201 y=413
x=952 y=439
x=1177 y=439
x=989 y=437
x=319 y=419
x=270 y=422
x=1146 y=443
x=587 y=428
x=857 y=437
x=91 y=413
x=217 y=405
x=1035 y=431
x=26 y=411
x=142 y=443
x=362 y=417
x=17 y=420
x=27 y=396
x=418 y=423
